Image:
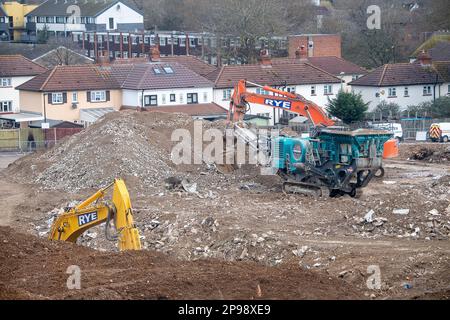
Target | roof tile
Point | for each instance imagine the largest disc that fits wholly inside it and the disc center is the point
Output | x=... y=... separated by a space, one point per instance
x=17 y=65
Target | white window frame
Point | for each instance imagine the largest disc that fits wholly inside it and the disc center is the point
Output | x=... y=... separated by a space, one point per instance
x=226 y=95
x=427 y=91
x=406 y=92
x=162 y=41
x=392 y=92
x=328 y=90
x=8 y=104
x=74 y=97
x=5 y=82
x=98 y=96
x=182 y=42
x=174 y=96
x=57 y=98
x=313 y=91
x=192 y=42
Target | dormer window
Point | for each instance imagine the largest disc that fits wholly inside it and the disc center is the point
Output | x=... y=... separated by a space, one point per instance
x=157 y=70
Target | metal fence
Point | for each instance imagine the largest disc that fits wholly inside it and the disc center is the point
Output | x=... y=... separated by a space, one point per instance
x=31 y=139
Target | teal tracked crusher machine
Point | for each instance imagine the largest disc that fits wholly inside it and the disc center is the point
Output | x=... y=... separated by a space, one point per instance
x=331 y=163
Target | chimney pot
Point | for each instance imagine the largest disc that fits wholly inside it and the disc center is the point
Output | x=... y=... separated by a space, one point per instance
x=264 y=57
x=424 y=59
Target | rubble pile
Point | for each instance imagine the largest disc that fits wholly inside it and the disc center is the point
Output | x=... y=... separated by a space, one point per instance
x=428 y=152
x=132 y=145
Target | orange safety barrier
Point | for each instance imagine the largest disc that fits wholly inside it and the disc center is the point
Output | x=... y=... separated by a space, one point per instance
x=391 y=149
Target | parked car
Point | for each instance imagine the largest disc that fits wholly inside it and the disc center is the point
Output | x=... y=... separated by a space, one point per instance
x=439 y=132
x=395 y=128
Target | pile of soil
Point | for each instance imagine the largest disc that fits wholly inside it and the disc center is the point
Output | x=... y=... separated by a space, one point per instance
x=428 y=152
x=33 y=268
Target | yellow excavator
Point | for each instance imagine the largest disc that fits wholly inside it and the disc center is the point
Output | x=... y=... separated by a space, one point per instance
x=96 y=210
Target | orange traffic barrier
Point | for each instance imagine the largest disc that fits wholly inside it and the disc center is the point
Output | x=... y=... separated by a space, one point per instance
x=391 y=149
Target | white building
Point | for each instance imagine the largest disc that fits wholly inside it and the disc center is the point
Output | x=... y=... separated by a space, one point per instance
x=405 y=84
x=303 y=78
x=61 y=17
x=152 y=85
x=14 y=71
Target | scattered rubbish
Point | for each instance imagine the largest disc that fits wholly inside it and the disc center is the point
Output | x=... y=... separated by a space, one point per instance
x=401 y=211
x=389 y=182
x=369 y=216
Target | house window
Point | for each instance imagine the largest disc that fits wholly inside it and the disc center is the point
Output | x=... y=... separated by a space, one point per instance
x=392 y=93
x=290 y=89
x=60 y=19
x=162 y=41
x=134 y=40
x=5 y=106
x=5 y=82
x=125 y=54
x=406 y=92
x=427 y=91
x=327 y=89
x=262 y=91
x=41 y=19
x=50 y=20
x=172 y=97
x=147 y=40
x=313 y=90
x=152 y=41
x=57 y=98
x=157 y=70
x=192 y=98
x=125 y=39
x=111 y=23
x=151 y=100
x=74 y=97
x=182 y=42
x=98 y=96
x=226 y=94
x=92 y=54
x=175 y=41
x=117 y=54
x=169 y=41
x=191 y=42
x=354 y=77
x=205 y=96
x=2 y=20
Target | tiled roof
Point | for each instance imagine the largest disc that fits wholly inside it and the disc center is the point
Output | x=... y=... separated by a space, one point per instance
x=17 y=65
x=195 y=64
x=398 y=74
x=443 y=68
x=204 y=109
x=333 y=65
x=144 y=77
x=88 y=8
x=80 y=77
x=275 y=75
x=440 y=52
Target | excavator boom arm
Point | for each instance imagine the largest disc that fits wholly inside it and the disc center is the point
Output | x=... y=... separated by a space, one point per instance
x=91 y=212
x=282 y=100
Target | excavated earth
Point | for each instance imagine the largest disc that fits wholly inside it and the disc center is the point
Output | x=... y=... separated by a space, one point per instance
x=228 y=235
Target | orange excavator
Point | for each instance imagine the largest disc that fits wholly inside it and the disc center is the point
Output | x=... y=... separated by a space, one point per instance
x=334 y=162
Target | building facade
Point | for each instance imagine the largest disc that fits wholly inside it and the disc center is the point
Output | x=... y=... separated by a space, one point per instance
x=14 y=71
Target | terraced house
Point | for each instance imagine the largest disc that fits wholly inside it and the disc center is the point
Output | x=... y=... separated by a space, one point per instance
x=83 y=93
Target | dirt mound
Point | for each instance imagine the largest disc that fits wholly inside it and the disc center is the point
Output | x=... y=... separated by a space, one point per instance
x=133 y=145
x=429 y=152
x=33 y=268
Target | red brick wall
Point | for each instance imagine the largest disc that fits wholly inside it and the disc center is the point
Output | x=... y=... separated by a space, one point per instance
x=324 y=45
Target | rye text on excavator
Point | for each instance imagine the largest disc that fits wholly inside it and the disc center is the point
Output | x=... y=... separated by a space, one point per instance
x=96 y=210
x=330 y=162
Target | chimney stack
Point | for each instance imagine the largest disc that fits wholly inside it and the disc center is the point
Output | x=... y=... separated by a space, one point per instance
x=424 y=59
x=155 y=54
x=264 y=58
x=301 y=53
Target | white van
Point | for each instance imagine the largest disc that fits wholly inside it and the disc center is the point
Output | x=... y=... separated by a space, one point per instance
x=394 y=128
x=440 y=132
